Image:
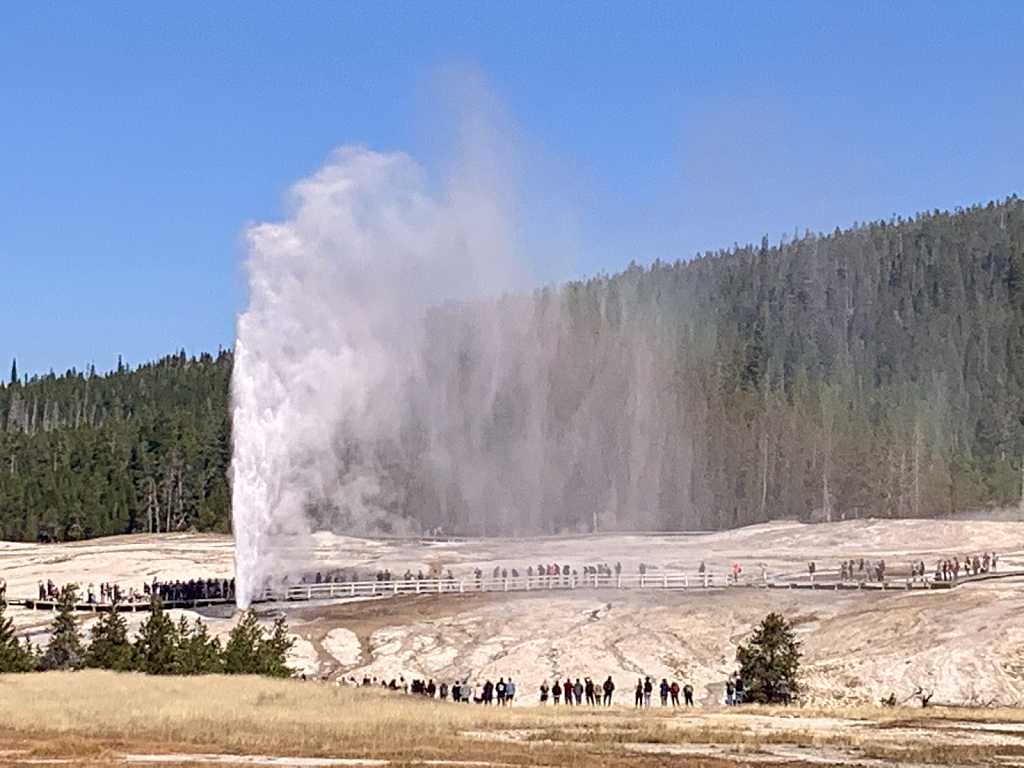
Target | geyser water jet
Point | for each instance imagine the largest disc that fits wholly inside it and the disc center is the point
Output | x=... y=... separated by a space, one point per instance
x=332 y=332
x=386 y=382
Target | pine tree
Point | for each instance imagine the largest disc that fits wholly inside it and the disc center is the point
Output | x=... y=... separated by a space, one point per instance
x=65 y=649
x=250 y=652
x=14 y=657
x=14 y=371
x=242 y=652
x=199 y=654
x=109 y=647
x=274 y=651
x=158 y=642
x=772 y=655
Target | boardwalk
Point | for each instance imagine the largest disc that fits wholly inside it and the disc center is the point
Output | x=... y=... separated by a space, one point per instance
x=666 y=581
x=130 y=607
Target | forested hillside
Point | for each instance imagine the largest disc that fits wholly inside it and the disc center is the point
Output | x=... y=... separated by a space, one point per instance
x=147 y=449
x=873 y=371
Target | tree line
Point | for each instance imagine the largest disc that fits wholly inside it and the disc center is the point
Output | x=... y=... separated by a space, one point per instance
x=876 y=371
x=873 y=371
x=133 y=450
x=161 y=646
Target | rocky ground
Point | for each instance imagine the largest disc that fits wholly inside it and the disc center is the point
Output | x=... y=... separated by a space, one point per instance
x=966 y=645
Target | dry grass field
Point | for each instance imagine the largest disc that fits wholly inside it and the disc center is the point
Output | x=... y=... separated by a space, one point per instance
x=966 y=646
x=104 y=718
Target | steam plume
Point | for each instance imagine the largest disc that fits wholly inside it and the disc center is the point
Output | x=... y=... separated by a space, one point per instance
x=384 y=383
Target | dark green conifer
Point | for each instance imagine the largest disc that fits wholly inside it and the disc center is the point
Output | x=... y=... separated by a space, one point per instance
x=250 y=652
x=156 y=647
x=14 y=656
x=771 y=655
x=65 y=648
x=199 y=654
x=109 y=647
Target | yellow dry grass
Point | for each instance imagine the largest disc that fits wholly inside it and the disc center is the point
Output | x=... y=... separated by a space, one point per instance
x=98 y=717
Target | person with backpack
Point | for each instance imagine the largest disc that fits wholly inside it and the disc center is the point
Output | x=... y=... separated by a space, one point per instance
x=609 y=687
x=556 y=691
x=687 y=695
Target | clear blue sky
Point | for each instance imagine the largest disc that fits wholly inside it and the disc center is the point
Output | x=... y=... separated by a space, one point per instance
x=137 y=139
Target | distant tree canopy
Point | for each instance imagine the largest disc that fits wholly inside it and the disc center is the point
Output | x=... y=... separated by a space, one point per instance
x=873 y=371
x=83 y=455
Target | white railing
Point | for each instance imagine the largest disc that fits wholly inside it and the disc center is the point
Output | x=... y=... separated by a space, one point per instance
x=489 y=584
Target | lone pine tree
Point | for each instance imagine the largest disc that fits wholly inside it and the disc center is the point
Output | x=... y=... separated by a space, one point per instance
x=772 y=655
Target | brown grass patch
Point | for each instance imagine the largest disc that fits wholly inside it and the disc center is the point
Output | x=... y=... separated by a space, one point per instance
x=97 y=717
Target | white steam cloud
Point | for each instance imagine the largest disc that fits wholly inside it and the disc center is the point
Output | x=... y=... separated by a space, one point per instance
x=385 y=382
x=334 y=330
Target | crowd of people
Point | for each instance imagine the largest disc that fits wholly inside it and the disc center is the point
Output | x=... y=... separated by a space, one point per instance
x=946 y=569
x=170 y=591
x=501 y=693
x=859 y=570
x=579 y=692
x=949 y=569
x=668 y=692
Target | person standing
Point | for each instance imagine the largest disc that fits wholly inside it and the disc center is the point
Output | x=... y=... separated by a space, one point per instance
x=639 y=698
x=510 y=692
x=544 y=692
x=663 y=689
x=609 y=687
x=674 y=693
x=687 y=695
x=648 y=690
x=556 y=691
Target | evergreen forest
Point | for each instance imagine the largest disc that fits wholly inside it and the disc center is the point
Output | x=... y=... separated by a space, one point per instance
x=140 y=450
x=874 y=371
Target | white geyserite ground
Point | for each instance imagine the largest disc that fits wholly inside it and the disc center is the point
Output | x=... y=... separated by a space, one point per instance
x=966 y=644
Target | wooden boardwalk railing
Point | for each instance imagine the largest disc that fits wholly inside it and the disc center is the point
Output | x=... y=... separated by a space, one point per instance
x=662 y=581
x=342 y=589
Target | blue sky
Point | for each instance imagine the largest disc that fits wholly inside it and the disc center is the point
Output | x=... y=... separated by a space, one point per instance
x=138 y=139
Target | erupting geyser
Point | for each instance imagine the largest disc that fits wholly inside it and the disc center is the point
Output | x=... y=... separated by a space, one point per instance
x=384 y=382
x=332 y=333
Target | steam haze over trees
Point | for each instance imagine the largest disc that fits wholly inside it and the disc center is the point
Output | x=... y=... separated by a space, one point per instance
x=872 y=371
